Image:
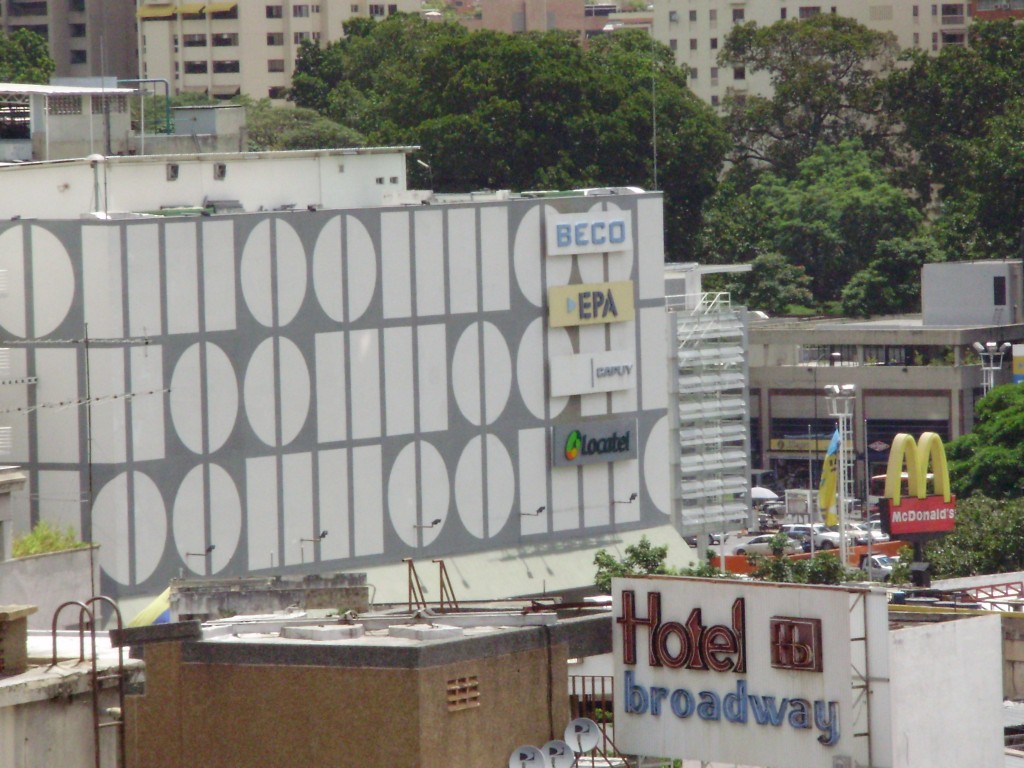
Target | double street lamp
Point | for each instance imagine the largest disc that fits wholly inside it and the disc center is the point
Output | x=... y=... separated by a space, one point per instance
x=991 y=355
x=840 y=399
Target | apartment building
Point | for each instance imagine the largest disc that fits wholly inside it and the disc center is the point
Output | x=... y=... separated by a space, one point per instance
x=696 y=30
x=87 y=38
x=226 y=48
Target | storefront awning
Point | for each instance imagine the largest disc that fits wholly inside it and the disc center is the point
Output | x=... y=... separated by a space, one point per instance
x=189 y=9
x=156 y=12
x=220 y=7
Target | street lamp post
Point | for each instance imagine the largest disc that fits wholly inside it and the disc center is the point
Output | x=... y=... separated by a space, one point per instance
x=840 y=399
x=991 y=355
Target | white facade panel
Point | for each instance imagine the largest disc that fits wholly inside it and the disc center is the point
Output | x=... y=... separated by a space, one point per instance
x=462 y=260
x=429 y=263
x=432 y=376
x=494 y=258
x=219 y=277
x=533 y=492
x=297 y=482
x=399 y=397
x=364 y=363
x=597 y=506
x=101 y=282
x=335 y=515
x=144 y=289
x=331 y=389
x=182 y=278
x=109 y=430
x=396 y=270
x=148 y=404
x=263 y=542
x=57 y=429
x=368 y=501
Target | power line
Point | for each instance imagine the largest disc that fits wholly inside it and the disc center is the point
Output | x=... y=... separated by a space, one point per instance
x=63 y=404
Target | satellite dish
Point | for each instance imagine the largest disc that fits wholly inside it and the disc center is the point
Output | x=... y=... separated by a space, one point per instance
x=526 y=755
x=582 y=734
x=559 y=754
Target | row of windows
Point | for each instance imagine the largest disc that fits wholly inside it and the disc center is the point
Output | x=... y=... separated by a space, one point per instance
x=230 y=39
x=738 y=73
x=951 y=13
x=202 y=67
x=298 y=11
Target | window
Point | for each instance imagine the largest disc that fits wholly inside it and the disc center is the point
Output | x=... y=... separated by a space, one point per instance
x=712 y=15
x=354 y=8
x=673 y=44
x=917 y=40
x=300 y=11
x=714 y=75
x=693 y=15
x=693 y=73
x=275 y=38
x=809 y=11
x=935 y=10
x=739 y=73
x=223 y=39
x=298 y=37
x=65 y=105
x=376 y=9
x=714 y=101
x=999 y=290
x=225 y=66
x=275 y=65
x=277 y=92
x=714 y=43
x=693 y=43
x=78 y=57
x=915 y=12
x=194 y=41
x=935 y=41
x=78 y=30
x=392 y=10
x=275 y=11
x=737 y=15
x=195 y=67
x=782 y=12
x=230 y=13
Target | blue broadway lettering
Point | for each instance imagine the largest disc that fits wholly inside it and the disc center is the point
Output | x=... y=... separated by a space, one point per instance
x=736 y=707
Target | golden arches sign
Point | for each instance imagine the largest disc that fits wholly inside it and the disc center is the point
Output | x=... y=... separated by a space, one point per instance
x=918 y=512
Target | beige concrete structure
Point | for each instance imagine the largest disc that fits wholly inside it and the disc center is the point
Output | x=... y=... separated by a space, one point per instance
x=457 y=689
x=227 y=48
x=696 y=31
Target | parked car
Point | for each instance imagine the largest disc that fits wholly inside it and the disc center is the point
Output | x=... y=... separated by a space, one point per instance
x=877 y=567
x=874 y=529
x=823 y=537
x=762 y=545
x=714 y=539
x=854 y=535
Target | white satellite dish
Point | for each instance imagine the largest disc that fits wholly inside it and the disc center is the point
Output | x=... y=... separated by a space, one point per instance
x=582 y=734
x=559 y=754
x=526 y=755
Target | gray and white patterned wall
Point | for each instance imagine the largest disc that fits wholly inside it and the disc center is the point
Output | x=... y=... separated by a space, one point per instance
x=364 y=372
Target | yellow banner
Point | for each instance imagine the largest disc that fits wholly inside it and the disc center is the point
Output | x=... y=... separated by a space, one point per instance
x=802 y=444
x=590 y=304
x=829 y=481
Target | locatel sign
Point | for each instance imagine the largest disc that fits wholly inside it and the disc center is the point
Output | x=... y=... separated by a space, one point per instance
x=911 y=510
x=591 y=442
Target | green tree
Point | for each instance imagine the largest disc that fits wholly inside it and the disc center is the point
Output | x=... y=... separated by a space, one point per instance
x=642 y=559
x=891 y=283
x=282 y=128
x=826 y=74
x=989 y=538
x=773 y=285
x=25 y=58
x=46 y=537
x=823 y=568
x=988 y=460
x=533 y=111
x=831 y=216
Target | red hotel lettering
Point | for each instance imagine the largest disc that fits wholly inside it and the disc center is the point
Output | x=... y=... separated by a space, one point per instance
x=718 y=647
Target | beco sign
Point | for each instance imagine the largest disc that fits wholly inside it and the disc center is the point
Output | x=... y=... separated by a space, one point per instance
x=595 y=232
x=752 y=674
x=911 y=510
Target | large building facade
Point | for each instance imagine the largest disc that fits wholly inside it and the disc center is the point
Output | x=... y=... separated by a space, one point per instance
x=209 y=393
x=696 y=30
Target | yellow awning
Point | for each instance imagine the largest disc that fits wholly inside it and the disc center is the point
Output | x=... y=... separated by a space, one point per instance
x=155 y=12
x=220 y=7
x=187 y=9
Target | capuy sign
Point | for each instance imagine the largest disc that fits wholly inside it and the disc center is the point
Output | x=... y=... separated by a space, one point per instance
x=911 y=510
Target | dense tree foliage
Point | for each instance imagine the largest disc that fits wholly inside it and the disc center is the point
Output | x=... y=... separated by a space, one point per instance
x=773 y=285
x=989 y=538
x=25 y=58
x=824 y=73
x=988 y=460
x=533 y=111
x=641 y=559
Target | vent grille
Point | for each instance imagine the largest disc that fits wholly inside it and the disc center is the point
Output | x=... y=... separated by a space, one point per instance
x=463 y=693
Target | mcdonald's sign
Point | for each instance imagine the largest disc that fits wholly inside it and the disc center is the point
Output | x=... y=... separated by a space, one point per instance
x=910 y=509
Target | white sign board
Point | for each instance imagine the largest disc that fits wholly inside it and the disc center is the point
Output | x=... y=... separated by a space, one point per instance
x=746 y=673
x=593 y=232
x=595 y=372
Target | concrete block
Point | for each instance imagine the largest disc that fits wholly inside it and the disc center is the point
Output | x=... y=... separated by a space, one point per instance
x=14 y=638
x=324 y=633
x=425 y=632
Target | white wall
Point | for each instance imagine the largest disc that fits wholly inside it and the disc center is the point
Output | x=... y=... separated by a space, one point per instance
x=947 y=694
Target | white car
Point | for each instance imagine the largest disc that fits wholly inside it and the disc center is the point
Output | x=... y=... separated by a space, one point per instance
x=823 y=537
x=762 y=545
